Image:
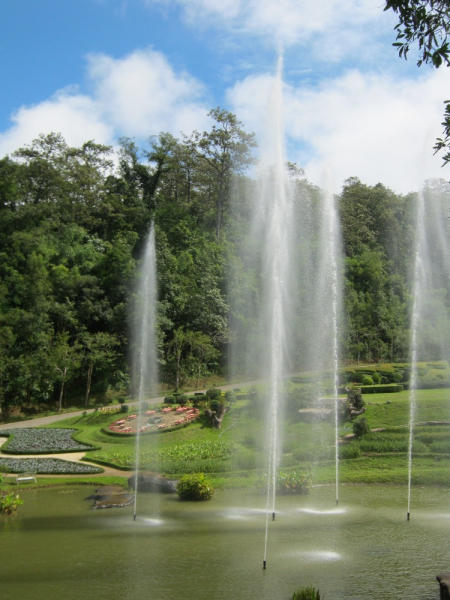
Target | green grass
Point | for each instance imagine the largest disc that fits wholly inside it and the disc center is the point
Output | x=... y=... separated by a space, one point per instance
x=377 y=458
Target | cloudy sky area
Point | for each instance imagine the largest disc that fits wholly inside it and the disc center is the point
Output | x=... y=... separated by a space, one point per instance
x=102 y=69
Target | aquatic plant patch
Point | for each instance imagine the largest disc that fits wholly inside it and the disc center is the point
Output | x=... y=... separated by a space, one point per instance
x=40 y=441
x=48 y=466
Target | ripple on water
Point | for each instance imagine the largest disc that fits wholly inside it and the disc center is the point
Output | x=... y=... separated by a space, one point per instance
x=318 y=555
x=315 y=511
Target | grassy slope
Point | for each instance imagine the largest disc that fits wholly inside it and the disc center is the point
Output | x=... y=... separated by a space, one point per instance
x=383 y=456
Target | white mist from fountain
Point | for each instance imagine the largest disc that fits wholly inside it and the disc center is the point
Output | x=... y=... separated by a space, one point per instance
x=275 y=216
x=144 y=363
x=327 y=308
x=430 y=318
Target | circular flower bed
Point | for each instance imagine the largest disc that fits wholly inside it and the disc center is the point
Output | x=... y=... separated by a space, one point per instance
x=48 y=466
x=155 y=420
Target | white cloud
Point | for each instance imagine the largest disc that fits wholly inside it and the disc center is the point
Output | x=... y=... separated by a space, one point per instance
x=135 y=96
x=286 y=21
x=373 y=126
x=142 y=95
x=76 y=116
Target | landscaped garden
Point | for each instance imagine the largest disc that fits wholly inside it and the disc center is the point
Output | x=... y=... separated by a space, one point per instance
x=233 y=456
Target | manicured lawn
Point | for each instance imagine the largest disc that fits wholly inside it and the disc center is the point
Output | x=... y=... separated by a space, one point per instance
x=237 y=456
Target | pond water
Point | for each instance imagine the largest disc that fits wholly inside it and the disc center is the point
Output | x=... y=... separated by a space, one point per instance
x=55 y=547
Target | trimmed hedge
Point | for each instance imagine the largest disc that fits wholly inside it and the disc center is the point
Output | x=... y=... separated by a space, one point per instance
x=381 y=389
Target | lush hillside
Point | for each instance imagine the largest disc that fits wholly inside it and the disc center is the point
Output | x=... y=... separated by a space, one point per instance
x=72 y=226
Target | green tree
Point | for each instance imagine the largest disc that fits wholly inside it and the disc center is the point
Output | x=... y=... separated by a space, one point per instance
x=426 y=22
x=225 y=150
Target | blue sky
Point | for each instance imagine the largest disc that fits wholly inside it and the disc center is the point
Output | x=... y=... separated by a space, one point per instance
x=102 y=69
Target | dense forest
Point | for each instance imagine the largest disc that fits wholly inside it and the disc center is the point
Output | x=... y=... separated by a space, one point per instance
x=72 y=228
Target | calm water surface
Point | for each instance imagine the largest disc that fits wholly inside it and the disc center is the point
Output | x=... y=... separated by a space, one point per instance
x=56 y=548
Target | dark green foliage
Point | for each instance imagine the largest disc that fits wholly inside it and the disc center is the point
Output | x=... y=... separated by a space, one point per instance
x=9 y=503
x=361 y=427
x=307 y=593
x=292 y=482
x=376 y=378
x=124 y=408
x=195 y=487
x=382 y=389
x=182 y=399
x=170 y=400
x=213 y=393
x=367 y=380
x=355 y=399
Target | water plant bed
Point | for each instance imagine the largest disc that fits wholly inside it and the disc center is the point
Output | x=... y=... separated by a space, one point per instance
x=42 y=441
x=47 y=466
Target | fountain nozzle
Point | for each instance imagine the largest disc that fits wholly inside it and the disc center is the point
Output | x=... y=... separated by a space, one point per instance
x=273 y=516
x=264 y=565
x=407 y=516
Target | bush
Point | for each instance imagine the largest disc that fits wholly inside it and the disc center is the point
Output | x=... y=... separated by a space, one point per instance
x=182 y=400
x=398 y=376
x=195 y=487
x=354 y=398
x=169 y=400
x=213 y=393
x=306 y=593
x=382 y=389
x=361 y=427
x=9 y=503
x=367 y=380
x=293 y=483
x=124 y=408
x=376 y=378
x=357 y=377
x=230 y=397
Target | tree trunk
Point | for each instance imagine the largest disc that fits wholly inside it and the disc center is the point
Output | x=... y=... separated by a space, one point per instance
x=219 y=210
x=216 y=417
x=88 y=383
x=63 y=379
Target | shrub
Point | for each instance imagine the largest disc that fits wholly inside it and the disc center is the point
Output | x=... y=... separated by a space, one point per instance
x=354 y=398
x=357 y=377
x=9 y=503
x=213 y=393
x=169 y=400
x=376 y=378
x=367 y=380
x=361 y=427
x=230 y=397
x=236 y=390
x=306 y=593
x=183 y=399
x=398 y=376
x=293 y=483
x=124 y=408
x=195 y=487
x=382 y=389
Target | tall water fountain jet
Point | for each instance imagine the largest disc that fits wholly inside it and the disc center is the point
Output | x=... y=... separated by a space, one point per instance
x=327 y=308
x=145 y=366
x=275 y=214
x=430 y=319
